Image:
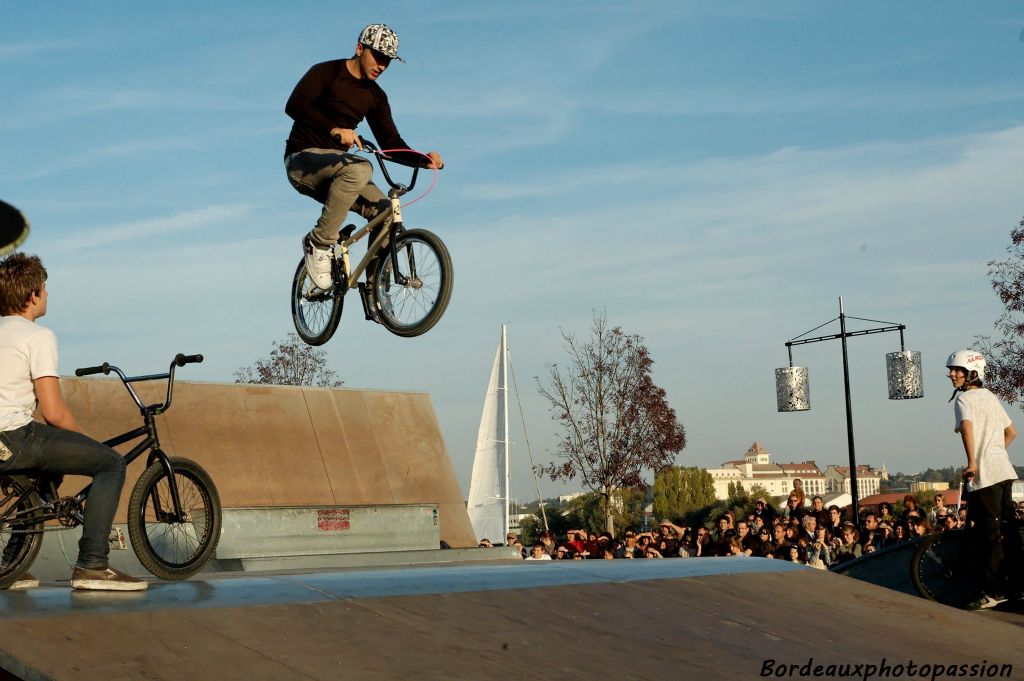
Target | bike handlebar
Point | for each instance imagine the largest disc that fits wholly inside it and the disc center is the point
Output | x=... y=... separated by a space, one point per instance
x=382 y=156
x=179 y=360
x=89 y=371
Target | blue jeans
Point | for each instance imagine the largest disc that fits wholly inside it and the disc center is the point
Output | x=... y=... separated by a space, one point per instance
x=43 y=449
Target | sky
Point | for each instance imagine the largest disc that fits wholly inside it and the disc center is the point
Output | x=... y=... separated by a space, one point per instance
x=711 y=176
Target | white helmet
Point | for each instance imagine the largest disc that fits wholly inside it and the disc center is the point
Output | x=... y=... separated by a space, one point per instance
x=968 y=360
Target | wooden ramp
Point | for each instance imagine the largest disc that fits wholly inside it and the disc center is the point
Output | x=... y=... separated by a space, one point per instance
x=721 y=618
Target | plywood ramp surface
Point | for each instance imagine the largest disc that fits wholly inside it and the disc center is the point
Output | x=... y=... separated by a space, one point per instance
x=711 y=627
x=291 y=446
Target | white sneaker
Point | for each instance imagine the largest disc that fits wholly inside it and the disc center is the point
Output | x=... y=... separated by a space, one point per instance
x=985 y=602
x=26 y=581
x=318 y=263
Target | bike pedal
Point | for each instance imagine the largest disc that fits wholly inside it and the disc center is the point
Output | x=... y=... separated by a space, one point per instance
x=364 y=295
x=117 y=540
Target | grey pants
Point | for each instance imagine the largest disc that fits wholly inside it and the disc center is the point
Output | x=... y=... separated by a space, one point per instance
x=341 y=182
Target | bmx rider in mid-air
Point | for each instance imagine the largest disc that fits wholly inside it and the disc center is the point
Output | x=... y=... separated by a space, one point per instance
x=326 y=106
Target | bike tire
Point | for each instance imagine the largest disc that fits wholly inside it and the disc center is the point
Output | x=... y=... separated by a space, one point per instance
x=315 y=320
x=413 y=309
x=174 y=551
x=939 y=569
x=20 y=509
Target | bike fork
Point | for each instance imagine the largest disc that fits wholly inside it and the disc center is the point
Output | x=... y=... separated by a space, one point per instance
x=175 y=514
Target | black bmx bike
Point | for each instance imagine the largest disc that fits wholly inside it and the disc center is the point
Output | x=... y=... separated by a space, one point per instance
x=943 y=568
x=174 y=512
x=409 y=275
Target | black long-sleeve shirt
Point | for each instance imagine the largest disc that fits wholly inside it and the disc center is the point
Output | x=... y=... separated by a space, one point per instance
x=328 y=97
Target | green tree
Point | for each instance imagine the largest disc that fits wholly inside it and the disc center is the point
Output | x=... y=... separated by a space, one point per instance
x=616 y=422
x=737 y=497
x=679 y=491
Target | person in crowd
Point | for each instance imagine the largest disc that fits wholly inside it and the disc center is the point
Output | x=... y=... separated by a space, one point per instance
x=749 y=541
x=920 y=527
x=548 y=540
x=809 y=524
x=870 y=527
x=940 y=507
x=562 y=553
x=735 y=547
x=900 y=533
x=628 y=548
x=835 y=519
x=666 y=539
x=575 y=540
x=485 y=543
x=847 y=545
x=885 y=513
x=819 y=551
x=818 y=509
x=910 y=507
x=538 y=552
x=764 y=510
x=651 y=552
x=794 y=506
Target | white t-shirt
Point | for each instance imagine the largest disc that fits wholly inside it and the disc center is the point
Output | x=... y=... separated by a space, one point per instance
x=27 y=351
x=988 y=421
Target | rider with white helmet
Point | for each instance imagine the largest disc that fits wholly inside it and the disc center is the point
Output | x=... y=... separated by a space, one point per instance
x=986 y=432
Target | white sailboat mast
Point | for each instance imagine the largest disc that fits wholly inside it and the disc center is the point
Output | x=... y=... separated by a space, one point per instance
x=504 y=420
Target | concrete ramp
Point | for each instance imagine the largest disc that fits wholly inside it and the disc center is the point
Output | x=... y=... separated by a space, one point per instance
x=720 y=618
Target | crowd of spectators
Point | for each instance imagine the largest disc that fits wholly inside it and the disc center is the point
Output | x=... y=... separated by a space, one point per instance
x=806 y=533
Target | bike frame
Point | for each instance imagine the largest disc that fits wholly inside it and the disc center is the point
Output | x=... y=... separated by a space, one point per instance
x=151 y=442
x=384 y=238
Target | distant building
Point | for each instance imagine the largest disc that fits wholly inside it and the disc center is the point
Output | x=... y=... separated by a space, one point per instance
x=916 y=487
x=869 y=480
x=756 y=468
x=566 y=498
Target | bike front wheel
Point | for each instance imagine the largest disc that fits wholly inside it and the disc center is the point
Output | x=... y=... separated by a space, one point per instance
x=411 y=291
x=21 y=527
x=940 y=569
x=174 y=548
x=315 y=312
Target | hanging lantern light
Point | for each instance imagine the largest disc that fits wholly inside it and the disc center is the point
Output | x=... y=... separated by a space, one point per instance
x=792 y=390
x=903 y=370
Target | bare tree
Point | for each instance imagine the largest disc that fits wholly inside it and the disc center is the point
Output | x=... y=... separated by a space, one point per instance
x=291 y=362
x=1004 y=374
x=616 y=422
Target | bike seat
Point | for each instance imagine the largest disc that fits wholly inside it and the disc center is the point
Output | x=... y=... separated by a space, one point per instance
x=346 y=232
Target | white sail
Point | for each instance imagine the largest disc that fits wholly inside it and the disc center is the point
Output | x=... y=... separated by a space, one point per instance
x=488 y=488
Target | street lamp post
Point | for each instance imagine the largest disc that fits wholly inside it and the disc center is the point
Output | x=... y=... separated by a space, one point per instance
x=903 y=369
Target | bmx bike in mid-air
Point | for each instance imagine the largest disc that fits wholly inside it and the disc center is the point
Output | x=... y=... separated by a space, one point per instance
x=409 y=274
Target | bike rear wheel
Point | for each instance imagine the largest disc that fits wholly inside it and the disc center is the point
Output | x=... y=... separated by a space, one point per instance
x=315 y=316
x=411 y=299
x=940 y=569
x=21 y=527
x=170 y=549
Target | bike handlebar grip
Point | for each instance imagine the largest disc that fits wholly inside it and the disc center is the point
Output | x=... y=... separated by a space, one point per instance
x=89 y=371
x=181 y=360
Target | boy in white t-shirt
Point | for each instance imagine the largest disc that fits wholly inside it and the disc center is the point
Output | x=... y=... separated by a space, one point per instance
x=29 y=379
x=986 y=432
